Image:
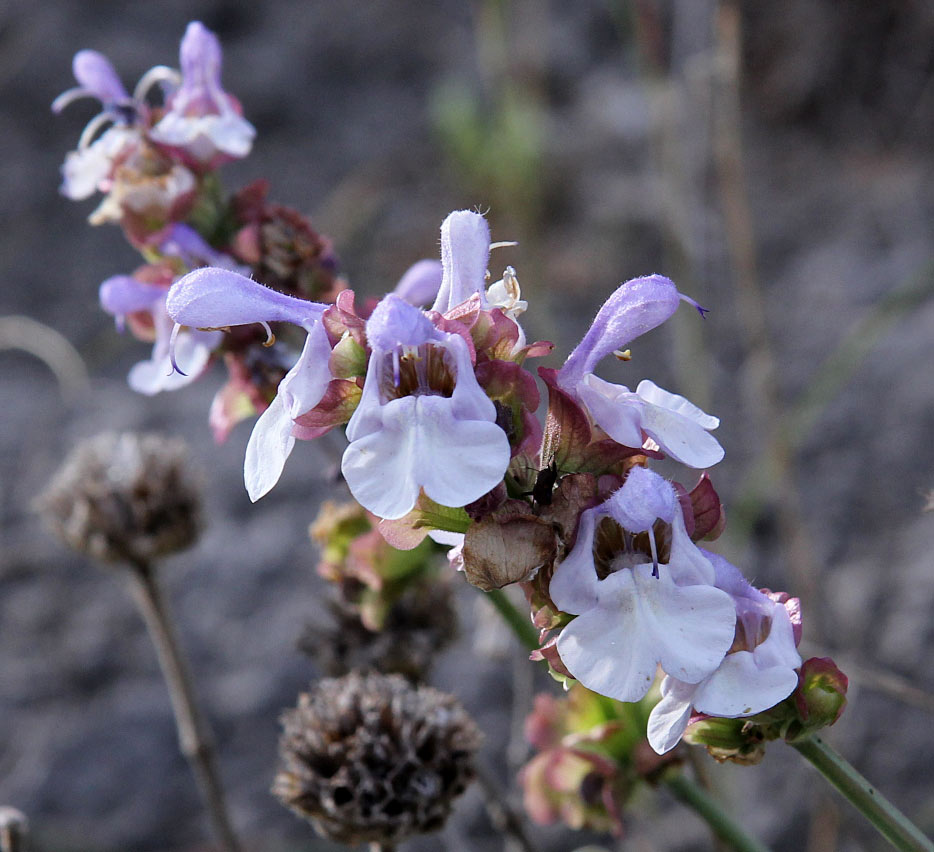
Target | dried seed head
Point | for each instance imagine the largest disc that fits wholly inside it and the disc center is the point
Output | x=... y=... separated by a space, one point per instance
x=369 y=758
x=124 y=498
x=417 y=627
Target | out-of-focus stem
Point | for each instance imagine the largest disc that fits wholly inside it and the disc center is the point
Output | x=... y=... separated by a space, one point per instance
x=891 y=823
x=193 y=732
x=14 y=830
x=708 y=809
x=517 y=622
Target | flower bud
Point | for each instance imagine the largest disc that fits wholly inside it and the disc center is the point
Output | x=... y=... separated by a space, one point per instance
x=736 y=740
x=821 y=693
x=369 y=758
x=124 y=498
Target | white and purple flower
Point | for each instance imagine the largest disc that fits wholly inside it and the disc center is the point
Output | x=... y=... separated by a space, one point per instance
x=757 y=673
x=217 y=298
x=201 y=118
x=650 y=414
x=423 y=421
x=644 y=612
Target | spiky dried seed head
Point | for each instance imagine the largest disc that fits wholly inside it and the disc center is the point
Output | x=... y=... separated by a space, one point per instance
x=124 y=498
x=370 y=758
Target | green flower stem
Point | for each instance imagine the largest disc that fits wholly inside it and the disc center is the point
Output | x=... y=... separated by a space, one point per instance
x=709 y=810
x=891 y=823
x=680 y=785
x=520 y=625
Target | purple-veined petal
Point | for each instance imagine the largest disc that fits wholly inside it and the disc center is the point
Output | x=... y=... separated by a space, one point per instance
x=651 y=392
x=669 y=718
x=267 y=450
x=642 y=621
x=216 y=298
x=633 y=309
x=422 y=445
x=420 y=284
x=465 y=253
x=122 y=294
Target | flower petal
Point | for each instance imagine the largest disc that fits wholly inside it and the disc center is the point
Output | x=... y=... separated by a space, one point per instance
x=651 y=392
x=305 y=384
x=614 y=408
x=642 y=621
x=574 y=585
x=215 y=298
x=741 y=688
x=669 y=718
x=465 y=253
x=422 y=445
x=421 y=282
x=95 y=73
x=633 y=309
x=268 y=448
x=123 y=294
x=680 y=437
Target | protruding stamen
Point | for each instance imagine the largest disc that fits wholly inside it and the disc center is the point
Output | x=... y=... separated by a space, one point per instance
x=654 y=552
x=172 y=361
x=623 y=354
x=270 y=337
x=503 y=244
x=159 y=74
x=90 y=130
x=396 y=377
x=410 y=353
x=702 y=311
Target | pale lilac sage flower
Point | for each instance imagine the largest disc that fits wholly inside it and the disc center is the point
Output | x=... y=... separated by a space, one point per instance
x=676 y=425
x=757 y=673
x=423 y=421
x=201 y=118
x=644 y=612
x=218 y=298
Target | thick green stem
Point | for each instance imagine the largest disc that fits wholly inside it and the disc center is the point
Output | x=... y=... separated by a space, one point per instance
x=891 y=823
x=709 y=810
x=519 y=624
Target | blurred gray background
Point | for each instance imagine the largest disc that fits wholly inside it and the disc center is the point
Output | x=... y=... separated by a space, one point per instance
x=774 y=159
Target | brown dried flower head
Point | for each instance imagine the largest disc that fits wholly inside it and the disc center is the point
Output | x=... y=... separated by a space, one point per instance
x=369 y=758
x=124 y=498
x=417 y=627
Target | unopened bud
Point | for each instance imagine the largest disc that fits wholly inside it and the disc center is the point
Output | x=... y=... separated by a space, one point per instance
x=821 y=693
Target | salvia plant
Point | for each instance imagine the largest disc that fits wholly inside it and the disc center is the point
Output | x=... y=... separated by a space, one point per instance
x=656 y=639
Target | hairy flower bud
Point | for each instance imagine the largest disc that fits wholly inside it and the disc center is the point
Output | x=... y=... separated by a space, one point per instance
x=369 y=758
x=124 y=498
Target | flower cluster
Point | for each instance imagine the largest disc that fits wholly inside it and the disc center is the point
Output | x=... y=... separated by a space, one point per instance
x=439 y=412
x=157 y=169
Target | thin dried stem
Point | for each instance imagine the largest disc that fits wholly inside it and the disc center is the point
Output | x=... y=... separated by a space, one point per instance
x=503 y=817
x=193 y=733
x=14 y=830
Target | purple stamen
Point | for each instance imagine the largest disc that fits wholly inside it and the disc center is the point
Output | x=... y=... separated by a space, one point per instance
x=702 y=311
